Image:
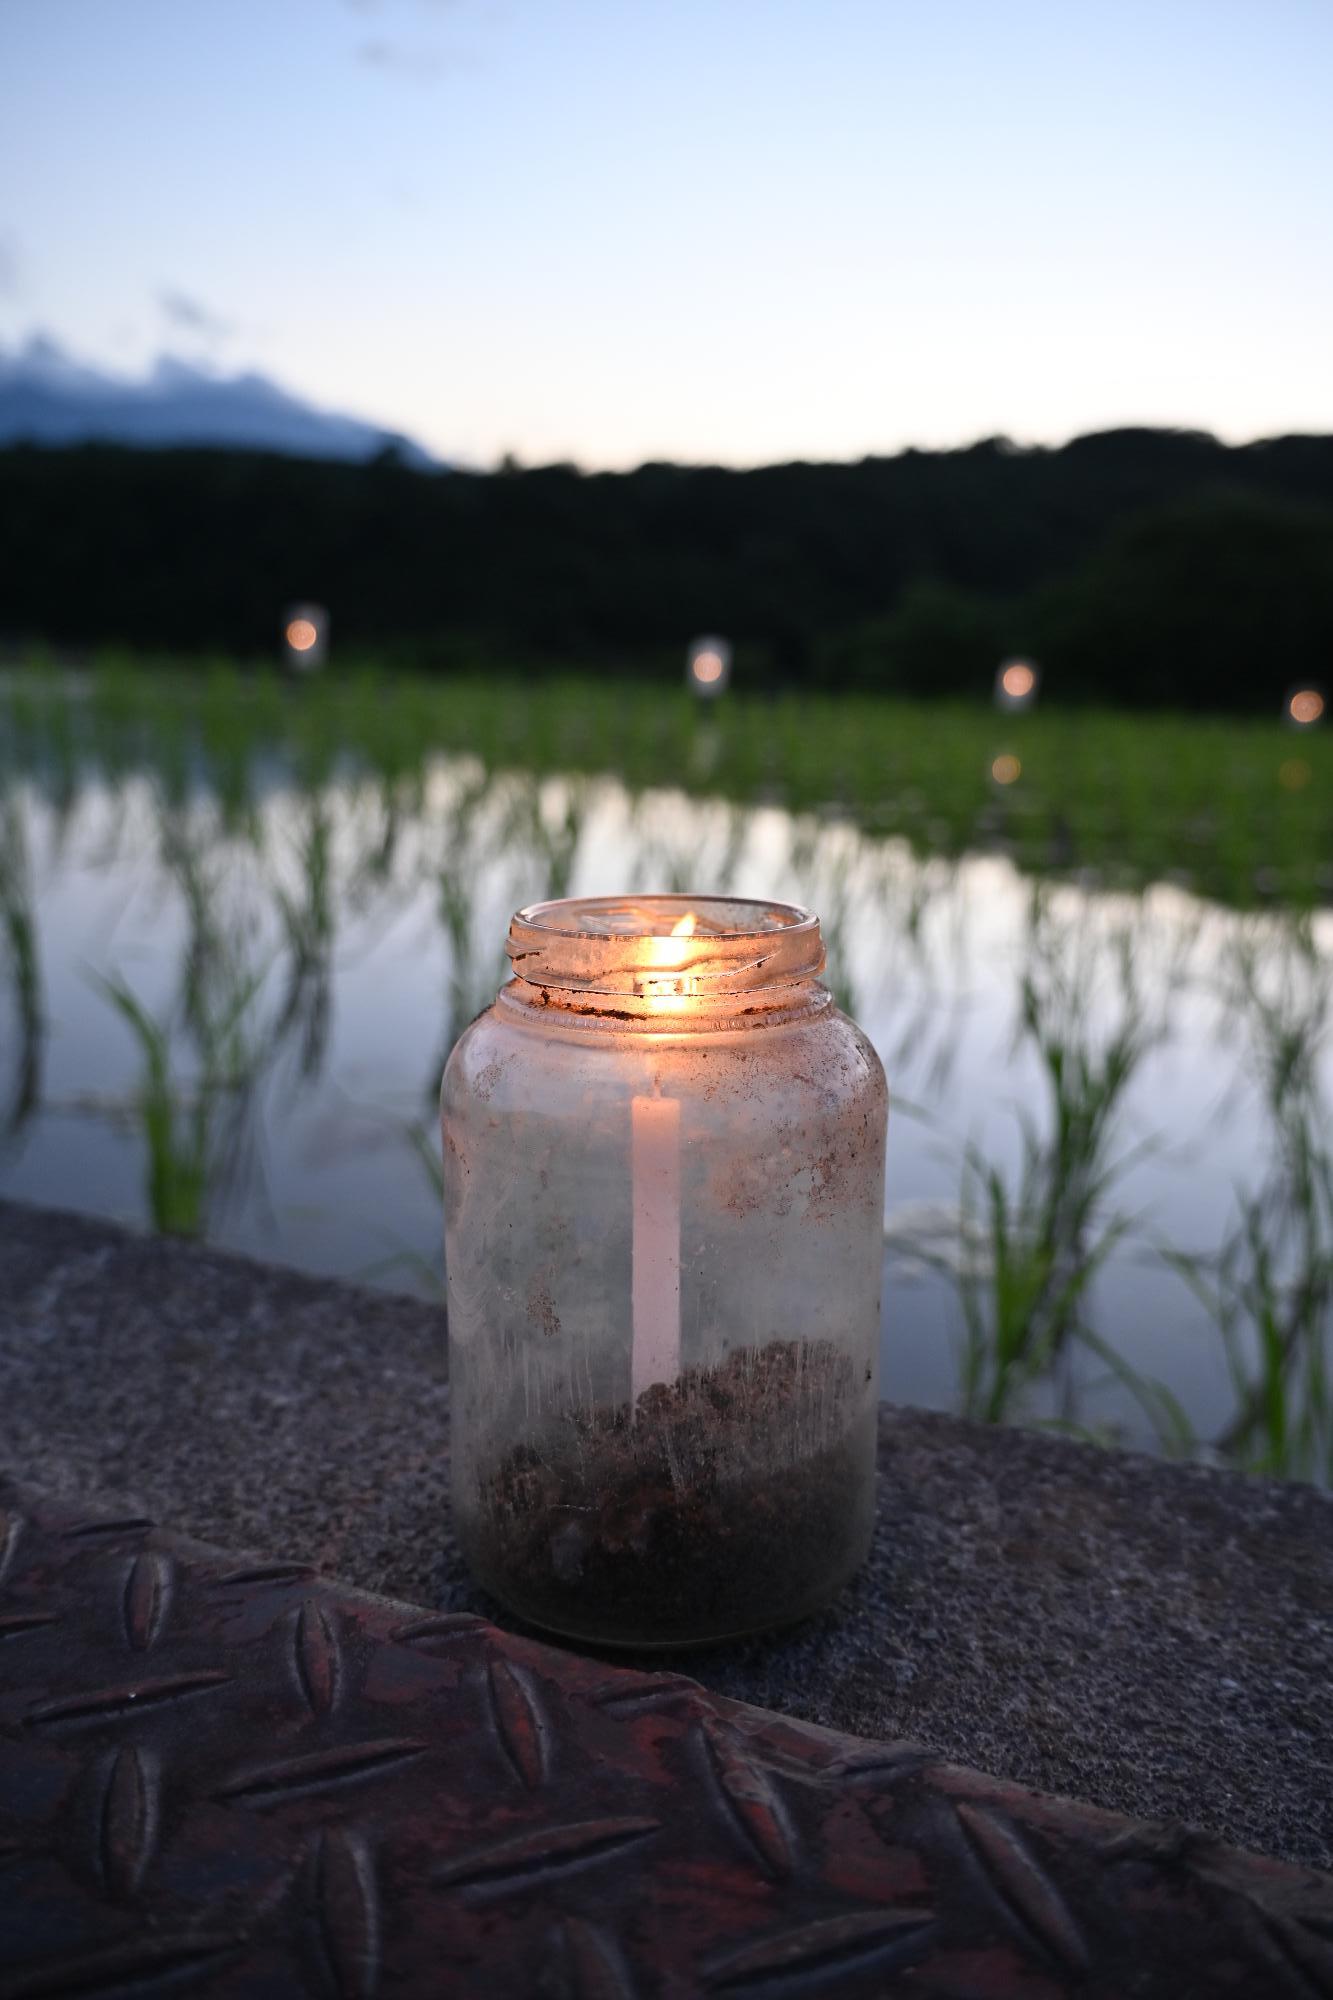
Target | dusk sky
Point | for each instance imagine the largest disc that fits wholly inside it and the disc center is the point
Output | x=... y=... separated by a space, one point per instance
x=611 y=230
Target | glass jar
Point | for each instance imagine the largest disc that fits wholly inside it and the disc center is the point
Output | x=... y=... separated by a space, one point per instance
x=664 y=1201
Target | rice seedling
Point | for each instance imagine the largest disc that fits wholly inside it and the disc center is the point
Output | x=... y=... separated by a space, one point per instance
x=1031 y=1245
x=184 y=1123
x=1268 y=1289
x=18 y=933
x=1113 y=792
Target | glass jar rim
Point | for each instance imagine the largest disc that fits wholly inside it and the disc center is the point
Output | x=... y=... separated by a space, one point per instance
x=664 y=945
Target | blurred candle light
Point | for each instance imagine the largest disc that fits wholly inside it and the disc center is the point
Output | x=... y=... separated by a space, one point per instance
x=305 y=637
x=1016 y=684
x=1305 y=707
x=1006 y=770
x=708 y=666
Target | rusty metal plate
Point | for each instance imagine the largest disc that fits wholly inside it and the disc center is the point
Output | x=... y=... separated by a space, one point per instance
x=221 y=1778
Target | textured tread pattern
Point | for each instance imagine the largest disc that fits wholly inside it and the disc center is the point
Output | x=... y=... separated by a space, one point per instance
x=229 y=1779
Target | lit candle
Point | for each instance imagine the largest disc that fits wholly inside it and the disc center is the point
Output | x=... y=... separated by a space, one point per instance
x=655 y=1174
x=673 y=1439
x=655 y=1189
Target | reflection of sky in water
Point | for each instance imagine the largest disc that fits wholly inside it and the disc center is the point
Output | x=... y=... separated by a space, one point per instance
x=927 y=954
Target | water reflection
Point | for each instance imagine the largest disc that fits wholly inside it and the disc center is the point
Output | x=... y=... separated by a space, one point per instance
x=307 y=914
x=1110 y=1201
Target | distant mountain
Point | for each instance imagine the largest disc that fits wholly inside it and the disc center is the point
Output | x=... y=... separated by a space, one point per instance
x=48 y=398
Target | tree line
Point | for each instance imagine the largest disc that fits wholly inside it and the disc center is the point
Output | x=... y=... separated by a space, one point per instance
x=1139 y=566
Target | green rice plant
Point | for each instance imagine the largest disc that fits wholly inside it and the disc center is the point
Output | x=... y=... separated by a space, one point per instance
x=1268 y=1289
x=18 y=936
x=1031 y=1245
x=1022 y=1292
x=1244 y=811
x=182 y=1123
x=176 y=1137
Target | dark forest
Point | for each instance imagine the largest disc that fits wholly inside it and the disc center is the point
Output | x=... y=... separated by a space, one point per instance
x=1141 y=567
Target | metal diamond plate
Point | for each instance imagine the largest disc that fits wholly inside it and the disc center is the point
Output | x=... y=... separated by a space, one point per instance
x=221 y=1779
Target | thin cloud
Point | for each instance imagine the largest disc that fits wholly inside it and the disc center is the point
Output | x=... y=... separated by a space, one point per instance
x=9 y=267
x=192 y=316
x=377 y=6
x=418 y=63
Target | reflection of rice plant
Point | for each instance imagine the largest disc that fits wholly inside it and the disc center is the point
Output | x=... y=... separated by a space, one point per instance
x=471 y=985
x=423 y=1141
x=557 y=839
x=454 y=889
x=18 y=933
x=309 y=925
x=229 y=745
x=1269 y=1288
x=200 y=888
x=187 y=1128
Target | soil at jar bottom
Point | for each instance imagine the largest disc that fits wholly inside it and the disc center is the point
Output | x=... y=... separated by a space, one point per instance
x=731 y=1500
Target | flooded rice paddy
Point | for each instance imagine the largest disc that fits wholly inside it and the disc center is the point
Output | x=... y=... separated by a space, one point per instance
x=1108 y=1195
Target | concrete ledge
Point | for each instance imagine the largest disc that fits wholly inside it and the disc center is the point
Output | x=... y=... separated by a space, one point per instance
x=1152 y=1638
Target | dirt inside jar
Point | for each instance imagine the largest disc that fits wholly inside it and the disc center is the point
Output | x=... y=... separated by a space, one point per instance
x=735 y=1498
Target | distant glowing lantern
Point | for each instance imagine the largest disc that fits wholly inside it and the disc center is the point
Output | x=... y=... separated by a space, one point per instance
x=1305 y=706
x=305 y=637
x=708 y=667
x=1016 y=684
x=1006 y=770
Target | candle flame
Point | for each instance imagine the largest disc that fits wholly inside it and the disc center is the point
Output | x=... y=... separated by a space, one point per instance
x=665 y=953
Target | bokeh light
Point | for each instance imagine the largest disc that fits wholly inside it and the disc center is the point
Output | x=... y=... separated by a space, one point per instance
x=1006 y=770
x=1294 y=774
x=708 y=666
x=1016 y=684
x=1305 y=707
x=305 y=637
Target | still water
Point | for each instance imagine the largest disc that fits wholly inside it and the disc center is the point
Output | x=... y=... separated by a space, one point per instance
x=306 y=967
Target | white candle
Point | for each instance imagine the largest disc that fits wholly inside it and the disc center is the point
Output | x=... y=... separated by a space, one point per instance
x=655 y=1184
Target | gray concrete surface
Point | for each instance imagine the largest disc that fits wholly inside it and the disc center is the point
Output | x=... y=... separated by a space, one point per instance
x=1148 y=1637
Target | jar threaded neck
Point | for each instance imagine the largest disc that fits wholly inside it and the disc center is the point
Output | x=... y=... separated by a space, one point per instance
x=664 y=946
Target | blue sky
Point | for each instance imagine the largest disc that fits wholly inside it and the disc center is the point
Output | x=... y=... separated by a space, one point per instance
x=611 y=230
